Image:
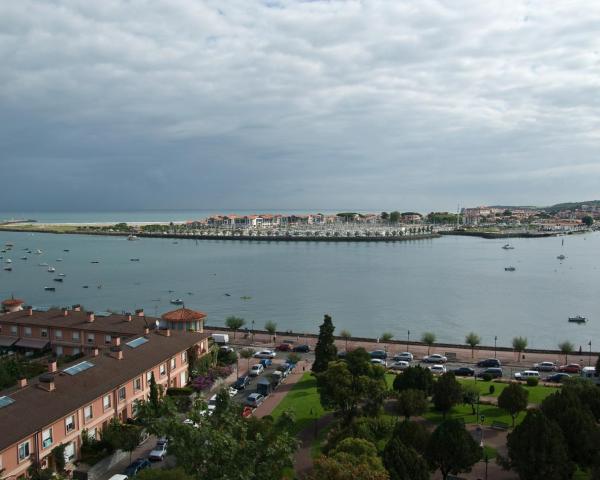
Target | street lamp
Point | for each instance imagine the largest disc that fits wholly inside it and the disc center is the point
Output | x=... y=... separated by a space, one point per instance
x=407 y=340
x=590 y=357
x=495 y=340
x=252 y=331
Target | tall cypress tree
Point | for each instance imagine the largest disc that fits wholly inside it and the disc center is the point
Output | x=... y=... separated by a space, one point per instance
x=325 y=351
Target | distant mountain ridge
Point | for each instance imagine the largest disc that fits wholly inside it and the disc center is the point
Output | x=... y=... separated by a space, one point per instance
x=559 y=207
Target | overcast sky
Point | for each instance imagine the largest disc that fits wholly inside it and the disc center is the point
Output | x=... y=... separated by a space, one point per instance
x=267 y=105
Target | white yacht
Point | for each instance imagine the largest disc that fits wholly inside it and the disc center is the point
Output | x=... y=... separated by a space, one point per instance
x=51 y=269
x=132 y=238
x=38 y=252
x=577 y=319
x=8 y=260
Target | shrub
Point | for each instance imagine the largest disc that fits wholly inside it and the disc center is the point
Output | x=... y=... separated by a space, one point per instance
x=486 y=377
x=202 y=382
x=175 y=392
x=533 y=382
x=492 y=389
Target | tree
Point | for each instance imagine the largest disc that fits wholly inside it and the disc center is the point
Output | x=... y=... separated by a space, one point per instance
x=386 y=336
x=58 y=454
x=452 y=449
x=325 y=351
x=346 y=335
x=513 y=399
x=519 y=344
x=587 y=220
x=447 y=392
x=537 y=450
x=566 y=348
x=417 y=378
x=403 y=462
x=394 y=217
x=414 y=434
x=428 y=338
x=234 y=323
x=384 y=215
x=472 y=339
x=271 y=327
x=412 y=402
x=163 y=474
x=122 y=436
x=247 y=353
x=470 y=395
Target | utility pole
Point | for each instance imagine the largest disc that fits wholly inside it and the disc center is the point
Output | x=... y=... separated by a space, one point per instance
x=407 y=340
x=495 y=340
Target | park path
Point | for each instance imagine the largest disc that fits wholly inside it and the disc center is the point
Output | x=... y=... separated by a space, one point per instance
x=303 y=460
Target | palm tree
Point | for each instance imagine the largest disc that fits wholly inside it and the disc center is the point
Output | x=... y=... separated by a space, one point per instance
x=428 y=339
x=566 y=348
x=472 y=339
x=519 y=344
x=271 y=327
x=346 y=335
x=247 y=354
x=235 y=323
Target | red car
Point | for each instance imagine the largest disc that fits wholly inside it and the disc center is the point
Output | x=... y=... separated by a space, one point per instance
x=284 y=347
x=570 y=368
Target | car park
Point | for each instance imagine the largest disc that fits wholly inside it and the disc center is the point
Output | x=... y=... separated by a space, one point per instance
x=525 y=374
x=136 y=467
x=489 y=363
x=557 y=377
x=545 y=367
x=463 y=372
x=404 y=357
x=241 y=383
x=399 y=365
x=437 y=369
x=301 y=349
x=265 y=354
x=256 y=370
x=159 y=452
x=570 y=368
x=254 y=400
x=493 y=372
x=380 y=354
x=284 y=347
x=435 y=358
x=378 y=361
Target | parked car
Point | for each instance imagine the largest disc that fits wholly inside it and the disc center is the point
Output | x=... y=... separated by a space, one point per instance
x=437 y=369
x=545 y=367
x=404 y=357
x=136 y=467
x=254 y=400
x=489 y=363
x=525 y=374
x=570 y=368
x=159 y=452
x=118 y=476
x=265 y=354
x=399 y=365
x=241 y=383
x=380 y=354
x=435 y=358
x=284 y=347
x=378 y=361
x=342 y=354
x=557 y=377
x=256 y=370
x=302 y=349
x=226 y=349
x=232 y=391
x=494 y=372
x=266 y=362
x=463 y=372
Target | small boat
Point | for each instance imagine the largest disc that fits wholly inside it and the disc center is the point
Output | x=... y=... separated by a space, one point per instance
x=561 y=257
x=43 y=264
x=66 y=250
x=577 y=319
x=8 y=260
x=509 y=269
x=85 y=286
x=175 y=243
x=51 y=269
x=58 y=279
x=134 y=259
x=59 y=259
x=246 y=297
x=23 y=258
x=508 y=246
x=50 y=289
x=61 y=274
x=177 y=301
x=132 y=238
x=8 y=269
x=38 y=252
x=9 y=245
x=94 y=261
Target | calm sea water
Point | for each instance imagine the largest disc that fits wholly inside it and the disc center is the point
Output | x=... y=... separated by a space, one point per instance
x=450 y=285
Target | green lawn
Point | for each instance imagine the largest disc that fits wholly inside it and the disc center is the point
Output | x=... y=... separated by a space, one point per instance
x=301 y=400
x=536 y=394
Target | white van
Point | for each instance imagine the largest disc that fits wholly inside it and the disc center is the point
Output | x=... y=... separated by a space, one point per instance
x=524 y=375
x=589 y=373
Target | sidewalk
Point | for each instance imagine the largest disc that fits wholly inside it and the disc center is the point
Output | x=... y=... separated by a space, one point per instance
x=267 y=407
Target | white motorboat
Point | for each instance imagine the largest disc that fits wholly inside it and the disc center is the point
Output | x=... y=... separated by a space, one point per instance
x=8 y=260
x=38 y=252
x=561 y=257
x=132 y=238
x=577 y=319
x=508 y=246
x=51 y=269
x=177 y=301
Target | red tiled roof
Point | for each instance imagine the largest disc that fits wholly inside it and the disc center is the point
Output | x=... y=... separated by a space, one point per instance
x=183 y=315
x=11 y=302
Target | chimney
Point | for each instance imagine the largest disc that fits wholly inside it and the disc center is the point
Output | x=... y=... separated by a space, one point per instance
x=146 y=331
x=167 y=333
x=116 y=341
x=128 y=314
x=22 y=382
x=29 y=310
x=52 y=367
x=95 y=352
x=77 y=308
x=90 y=318
x=47 y=382
x=139 y=312
x=116 y=352
x=65 y=311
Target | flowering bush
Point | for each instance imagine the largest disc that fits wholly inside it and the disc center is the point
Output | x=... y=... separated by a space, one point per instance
x=205 y=382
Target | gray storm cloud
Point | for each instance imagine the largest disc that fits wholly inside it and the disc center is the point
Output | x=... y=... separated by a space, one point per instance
x=291 y=104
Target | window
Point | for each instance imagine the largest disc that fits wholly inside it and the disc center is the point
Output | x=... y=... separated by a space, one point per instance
x=47 y=438
x=91 y=434
x=69 y=423
x=23 y=451
x=183 y=357
x=163 y=369
x=76 y=336
x=148 y=377
x=13 y=329
x=122 y=394
x=91 y=337
x=88 y=414
x=70 y=452
x=58 y=334
x=135 y=406
x=28 y=331
x=137 y=384
x=44 y=332
x=107 y=339
x=106 y=402
x=76 y=351
x=59 y=351
x=173 y=364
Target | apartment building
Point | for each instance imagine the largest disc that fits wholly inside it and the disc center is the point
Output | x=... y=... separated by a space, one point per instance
x=85 y=395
